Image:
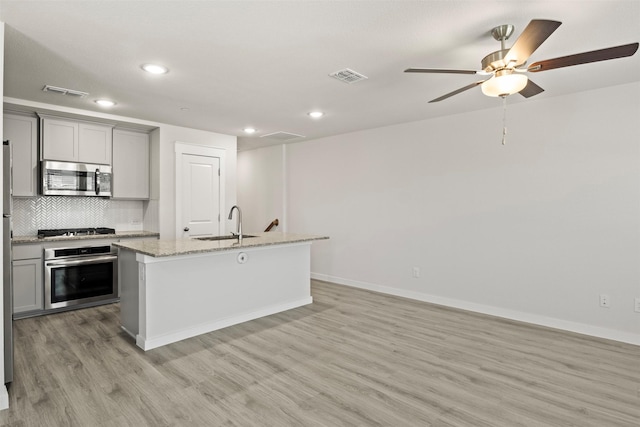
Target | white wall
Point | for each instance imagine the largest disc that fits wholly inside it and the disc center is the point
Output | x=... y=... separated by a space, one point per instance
x=534 y=230
x=168 y=136
x=261 y=188
x=151 y=221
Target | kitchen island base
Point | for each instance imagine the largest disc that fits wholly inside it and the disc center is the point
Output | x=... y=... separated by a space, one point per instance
x=171 y=298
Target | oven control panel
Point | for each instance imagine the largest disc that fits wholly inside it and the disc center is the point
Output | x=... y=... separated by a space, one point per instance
x=81 y=251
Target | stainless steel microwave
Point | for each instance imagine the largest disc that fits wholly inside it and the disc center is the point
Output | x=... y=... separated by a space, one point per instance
x=75 y=179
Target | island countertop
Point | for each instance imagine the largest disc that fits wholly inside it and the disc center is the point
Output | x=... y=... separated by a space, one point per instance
x=168 y=248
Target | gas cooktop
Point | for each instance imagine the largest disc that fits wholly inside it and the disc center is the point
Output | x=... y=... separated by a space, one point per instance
x=71 y=232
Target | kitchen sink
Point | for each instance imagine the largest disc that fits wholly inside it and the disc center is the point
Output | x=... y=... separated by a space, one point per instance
x=244 y=236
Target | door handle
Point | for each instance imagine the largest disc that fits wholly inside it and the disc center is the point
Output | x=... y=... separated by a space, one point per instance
x=97 y=181
x=186 y=229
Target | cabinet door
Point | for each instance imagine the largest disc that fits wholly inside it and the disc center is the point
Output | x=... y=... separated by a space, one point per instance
x=22 y=131
x=27 y=285
x=59 y=140
x=94 y=143
x=130 y=165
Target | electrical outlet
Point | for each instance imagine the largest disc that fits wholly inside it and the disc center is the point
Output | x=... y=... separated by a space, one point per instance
x=605 y=301
x=637 y=305
x=416 y=272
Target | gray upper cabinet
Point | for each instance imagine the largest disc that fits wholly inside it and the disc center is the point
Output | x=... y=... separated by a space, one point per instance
x=95 y=143
x=22 y=131
x=59 y=140
x=130 y=165
x=75 y=141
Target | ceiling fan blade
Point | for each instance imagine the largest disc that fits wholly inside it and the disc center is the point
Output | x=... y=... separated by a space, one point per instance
x=585 y=57
x=455 y=92
x=531 y=38
x=531 y=89
x=437 y=70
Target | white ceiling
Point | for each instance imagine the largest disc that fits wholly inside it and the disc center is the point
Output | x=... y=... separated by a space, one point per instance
x=265 y=64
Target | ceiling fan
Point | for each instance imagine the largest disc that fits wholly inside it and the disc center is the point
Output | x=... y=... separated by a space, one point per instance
x=505 y=69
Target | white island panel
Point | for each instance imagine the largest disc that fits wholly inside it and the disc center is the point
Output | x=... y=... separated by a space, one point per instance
x=186 y=295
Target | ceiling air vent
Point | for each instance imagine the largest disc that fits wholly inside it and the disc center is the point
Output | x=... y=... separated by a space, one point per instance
x=64 y=91
x=282 y=136
x=348 y=76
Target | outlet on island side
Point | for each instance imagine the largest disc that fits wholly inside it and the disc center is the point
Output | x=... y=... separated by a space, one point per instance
x=605 y=301
x=416 y=272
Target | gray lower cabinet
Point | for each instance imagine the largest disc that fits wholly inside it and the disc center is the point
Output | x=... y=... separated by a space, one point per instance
x=27 y=279
x=27 y=285
x=28 y=272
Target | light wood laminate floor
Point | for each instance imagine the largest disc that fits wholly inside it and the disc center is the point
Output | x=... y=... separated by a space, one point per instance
x=352 y=358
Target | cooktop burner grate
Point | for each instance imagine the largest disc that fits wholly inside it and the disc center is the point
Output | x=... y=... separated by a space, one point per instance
x=55 y=232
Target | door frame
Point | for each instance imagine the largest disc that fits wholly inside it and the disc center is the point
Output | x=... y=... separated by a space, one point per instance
x=181 y=148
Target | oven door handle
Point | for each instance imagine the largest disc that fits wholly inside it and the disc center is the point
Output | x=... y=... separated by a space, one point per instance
x=88 y=260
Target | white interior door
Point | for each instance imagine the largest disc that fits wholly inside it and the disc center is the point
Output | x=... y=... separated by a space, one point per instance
x=200 y=205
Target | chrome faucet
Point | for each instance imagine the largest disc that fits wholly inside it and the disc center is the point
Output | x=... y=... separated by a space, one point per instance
x=239 y=233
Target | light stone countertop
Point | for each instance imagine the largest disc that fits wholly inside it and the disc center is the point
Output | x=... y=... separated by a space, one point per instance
x=119 y=235
x=167 y=248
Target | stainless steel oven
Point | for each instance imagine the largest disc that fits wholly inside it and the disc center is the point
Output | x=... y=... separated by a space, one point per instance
x=80 y=275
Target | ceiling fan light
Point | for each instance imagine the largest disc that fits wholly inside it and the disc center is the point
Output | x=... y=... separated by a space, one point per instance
x=506 y=84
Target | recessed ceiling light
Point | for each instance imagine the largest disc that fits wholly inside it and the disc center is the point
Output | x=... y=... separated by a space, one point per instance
x=249 y=130
x=316 y=114
x=155 y=69
x=105 y=102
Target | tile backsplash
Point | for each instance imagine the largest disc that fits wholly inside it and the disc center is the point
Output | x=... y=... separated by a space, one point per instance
x=31 y=214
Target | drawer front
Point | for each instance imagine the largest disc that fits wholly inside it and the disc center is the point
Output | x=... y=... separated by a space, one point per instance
x=27 y=251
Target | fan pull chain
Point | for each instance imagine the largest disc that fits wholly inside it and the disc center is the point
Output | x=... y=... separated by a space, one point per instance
x=504 y=120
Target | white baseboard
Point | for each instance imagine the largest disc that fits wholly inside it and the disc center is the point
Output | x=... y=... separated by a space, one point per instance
x=580 y=328
x=4 y=398
x=151 y=343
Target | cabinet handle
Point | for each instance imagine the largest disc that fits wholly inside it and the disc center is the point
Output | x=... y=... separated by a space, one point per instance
x=186 y=229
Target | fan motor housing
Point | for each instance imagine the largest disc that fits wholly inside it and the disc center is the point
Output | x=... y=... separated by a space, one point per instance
x=495 y=61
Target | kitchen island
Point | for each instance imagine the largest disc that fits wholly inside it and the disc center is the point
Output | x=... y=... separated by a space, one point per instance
x=171 y=290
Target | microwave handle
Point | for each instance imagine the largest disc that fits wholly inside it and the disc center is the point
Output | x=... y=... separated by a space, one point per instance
x=97 y=181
